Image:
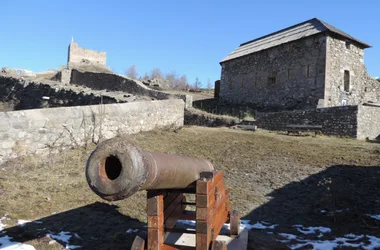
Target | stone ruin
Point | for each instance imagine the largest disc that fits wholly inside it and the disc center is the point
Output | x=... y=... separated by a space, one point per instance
x=85 y=80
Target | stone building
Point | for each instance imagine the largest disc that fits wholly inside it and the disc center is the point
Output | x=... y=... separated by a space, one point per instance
x=77 y=56
x=308 y=65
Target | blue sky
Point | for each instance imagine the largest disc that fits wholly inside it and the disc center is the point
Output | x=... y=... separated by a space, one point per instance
x=189 y=37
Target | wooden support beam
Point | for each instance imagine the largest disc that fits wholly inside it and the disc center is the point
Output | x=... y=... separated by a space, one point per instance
x=155 y=211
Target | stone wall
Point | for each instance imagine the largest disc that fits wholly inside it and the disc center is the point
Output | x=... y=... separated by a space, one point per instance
x=288 y=76
x=369 y=122
x=114 y=82
x=19 y=95
x=65 y=75
x=344 y=56
x=338 y=121
x=77 y=55
x=41 y=131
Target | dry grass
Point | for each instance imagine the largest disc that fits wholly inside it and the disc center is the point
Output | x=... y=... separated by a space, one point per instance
x=260 y=169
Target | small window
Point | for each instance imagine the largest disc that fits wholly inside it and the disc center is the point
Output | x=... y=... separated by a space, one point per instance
x=348 y=45
x=346 y=80
x=271 y=80
x=242 y=83
x=308 y=73
x=289 y=74
x=230 y=84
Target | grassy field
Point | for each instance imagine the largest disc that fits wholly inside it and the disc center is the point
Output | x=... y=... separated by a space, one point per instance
x=280 y=179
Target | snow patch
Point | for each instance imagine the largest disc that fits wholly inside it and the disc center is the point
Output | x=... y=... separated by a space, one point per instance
x=244 y=224
x=22 y=222
x=312 y=230
x=349 y=240
x=258 y=225
x=65 y=238
x=374 y=243
x=374 y=216
x=129 y=231
x=288 y=237
x=7 y=244
x=2 y=225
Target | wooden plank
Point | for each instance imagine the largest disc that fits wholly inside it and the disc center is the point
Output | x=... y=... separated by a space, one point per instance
x=212 y=199
x=177 y=202
x=220 y=216
x=218 y=245
x=234 y=223
x=202 y=241
x=213 y=217
x=155 y=221
x=188 y=240
x=214 y=222
x=155 y=239
x=155 y=200
x=205 y=186
x=208 y=200
x=139 y=242
x=170 y=247
x=174 y=216
x=188 y=215
x=170 y=198
x=155 y=207
x=180 y=230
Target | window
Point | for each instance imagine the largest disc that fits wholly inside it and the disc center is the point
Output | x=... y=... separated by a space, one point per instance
x=271 y=80
x=346 y=80
x=242 y=83
x=348 y=45
x=289 y=74
x=308 y=73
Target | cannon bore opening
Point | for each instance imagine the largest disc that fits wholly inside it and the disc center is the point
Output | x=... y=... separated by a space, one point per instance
x=112 y=167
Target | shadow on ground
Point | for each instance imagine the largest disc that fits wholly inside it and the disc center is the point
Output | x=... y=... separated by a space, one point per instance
x=98 y=225
x=340 y=197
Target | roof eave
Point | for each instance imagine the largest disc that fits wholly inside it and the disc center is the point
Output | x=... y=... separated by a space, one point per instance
x=361 y=44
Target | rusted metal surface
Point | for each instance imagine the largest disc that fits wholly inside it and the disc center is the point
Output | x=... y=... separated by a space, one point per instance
x=116 y=169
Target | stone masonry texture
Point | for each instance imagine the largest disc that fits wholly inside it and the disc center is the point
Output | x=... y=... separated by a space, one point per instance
x=338 y=121
x=20 y=95
x=341 y=57
x=288 y=76
x=78 y=55
x=114 y=82
x=358 y=121
x=369 y=122
x=300 y=75
x=41 y=131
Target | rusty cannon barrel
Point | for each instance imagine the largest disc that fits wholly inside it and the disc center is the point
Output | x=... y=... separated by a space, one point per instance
x=116 y=169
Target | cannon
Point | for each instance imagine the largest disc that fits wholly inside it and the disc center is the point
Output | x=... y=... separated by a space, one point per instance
x=117 y=169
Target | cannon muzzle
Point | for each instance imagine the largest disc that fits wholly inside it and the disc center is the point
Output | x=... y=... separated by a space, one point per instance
x=116 y=169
